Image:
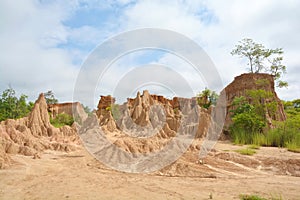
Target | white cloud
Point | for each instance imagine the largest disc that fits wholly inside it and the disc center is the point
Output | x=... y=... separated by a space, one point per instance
x=30 y=60
x=272 y=23
x=32 y=34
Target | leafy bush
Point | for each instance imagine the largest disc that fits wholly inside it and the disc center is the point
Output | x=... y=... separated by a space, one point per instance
x=62 y=120
x=249 y=122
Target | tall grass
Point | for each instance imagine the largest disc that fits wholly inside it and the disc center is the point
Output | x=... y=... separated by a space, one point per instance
x=281 y=136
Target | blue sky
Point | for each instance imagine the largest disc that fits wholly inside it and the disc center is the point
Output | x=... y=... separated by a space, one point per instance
x=44 y=43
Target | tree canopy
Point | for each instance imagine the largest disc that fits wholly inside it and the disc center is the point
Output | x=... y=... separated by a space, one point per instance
x=207 y=98
x=50 y=98
x=13 y=107
x=261 y=59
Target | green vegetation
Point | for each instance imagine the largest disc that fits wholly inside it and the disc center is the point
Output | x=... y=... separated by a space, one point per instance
x=50 y=98
x=207 y=98
x=261 y=59
x=13 y=107
x=254 y=146
x=250 y=118
x=62 y=120
x=256 y=197
x=87 y=109
x=176 y=111
x=115 y=111
x=246 y=151
x=251 y=197
x=249 y=124
x=293 y=147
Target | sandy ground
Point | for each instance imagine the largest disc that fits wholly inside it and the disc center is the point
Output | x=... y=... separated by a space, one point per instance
x=224 y=175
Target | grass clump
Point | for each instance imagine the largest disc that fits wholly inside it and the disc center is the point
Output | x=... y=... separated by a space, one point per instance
x=293 y=147
x=254 y=146
x=256 y=197
x=246 y=151
x=251 y=197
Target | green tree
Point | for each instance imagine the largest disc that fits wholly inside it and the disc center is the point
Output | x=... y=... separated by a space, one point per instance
x=207 y=98
x=296 y=103
x=249 y=112
x=12 y=107
x=245 y=117
x=254 y=52
x=50 y=98
x=22 y=108
x=260 y=99
x=241 y=105
x=8 y=104
x=261 y=59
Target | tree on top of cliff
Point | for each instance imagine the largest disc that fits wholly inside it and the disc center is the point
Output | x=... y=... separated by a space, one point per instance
x=207 y=98
x=261 y=59
x=50 y=98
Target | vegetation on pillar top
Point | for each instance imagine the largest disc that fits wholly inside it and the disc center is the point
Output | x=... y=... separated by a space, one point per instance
x=261 y=59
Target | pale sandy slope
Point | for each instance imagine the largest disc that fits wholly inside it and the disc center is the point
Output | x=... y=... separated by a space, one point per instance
x=77 y=175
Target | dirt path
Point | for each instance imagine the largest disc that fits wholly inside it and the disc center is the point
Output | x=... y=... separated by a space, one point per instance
x=77 y=175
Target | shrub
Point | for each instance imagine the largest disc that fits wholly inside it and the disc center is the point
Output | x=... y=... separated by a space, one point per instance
x=62 y=120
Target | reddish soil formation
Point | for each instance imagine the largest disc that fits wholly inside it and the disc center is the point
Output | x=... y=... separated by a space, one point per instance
x=251 y=81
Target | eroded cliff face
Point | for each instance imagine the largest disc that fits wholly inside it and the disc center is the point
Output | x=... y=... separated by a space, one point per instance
x=147 y=122
x=165 y=117
x=33 y=134
x=253 y=81
x=152 y=111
